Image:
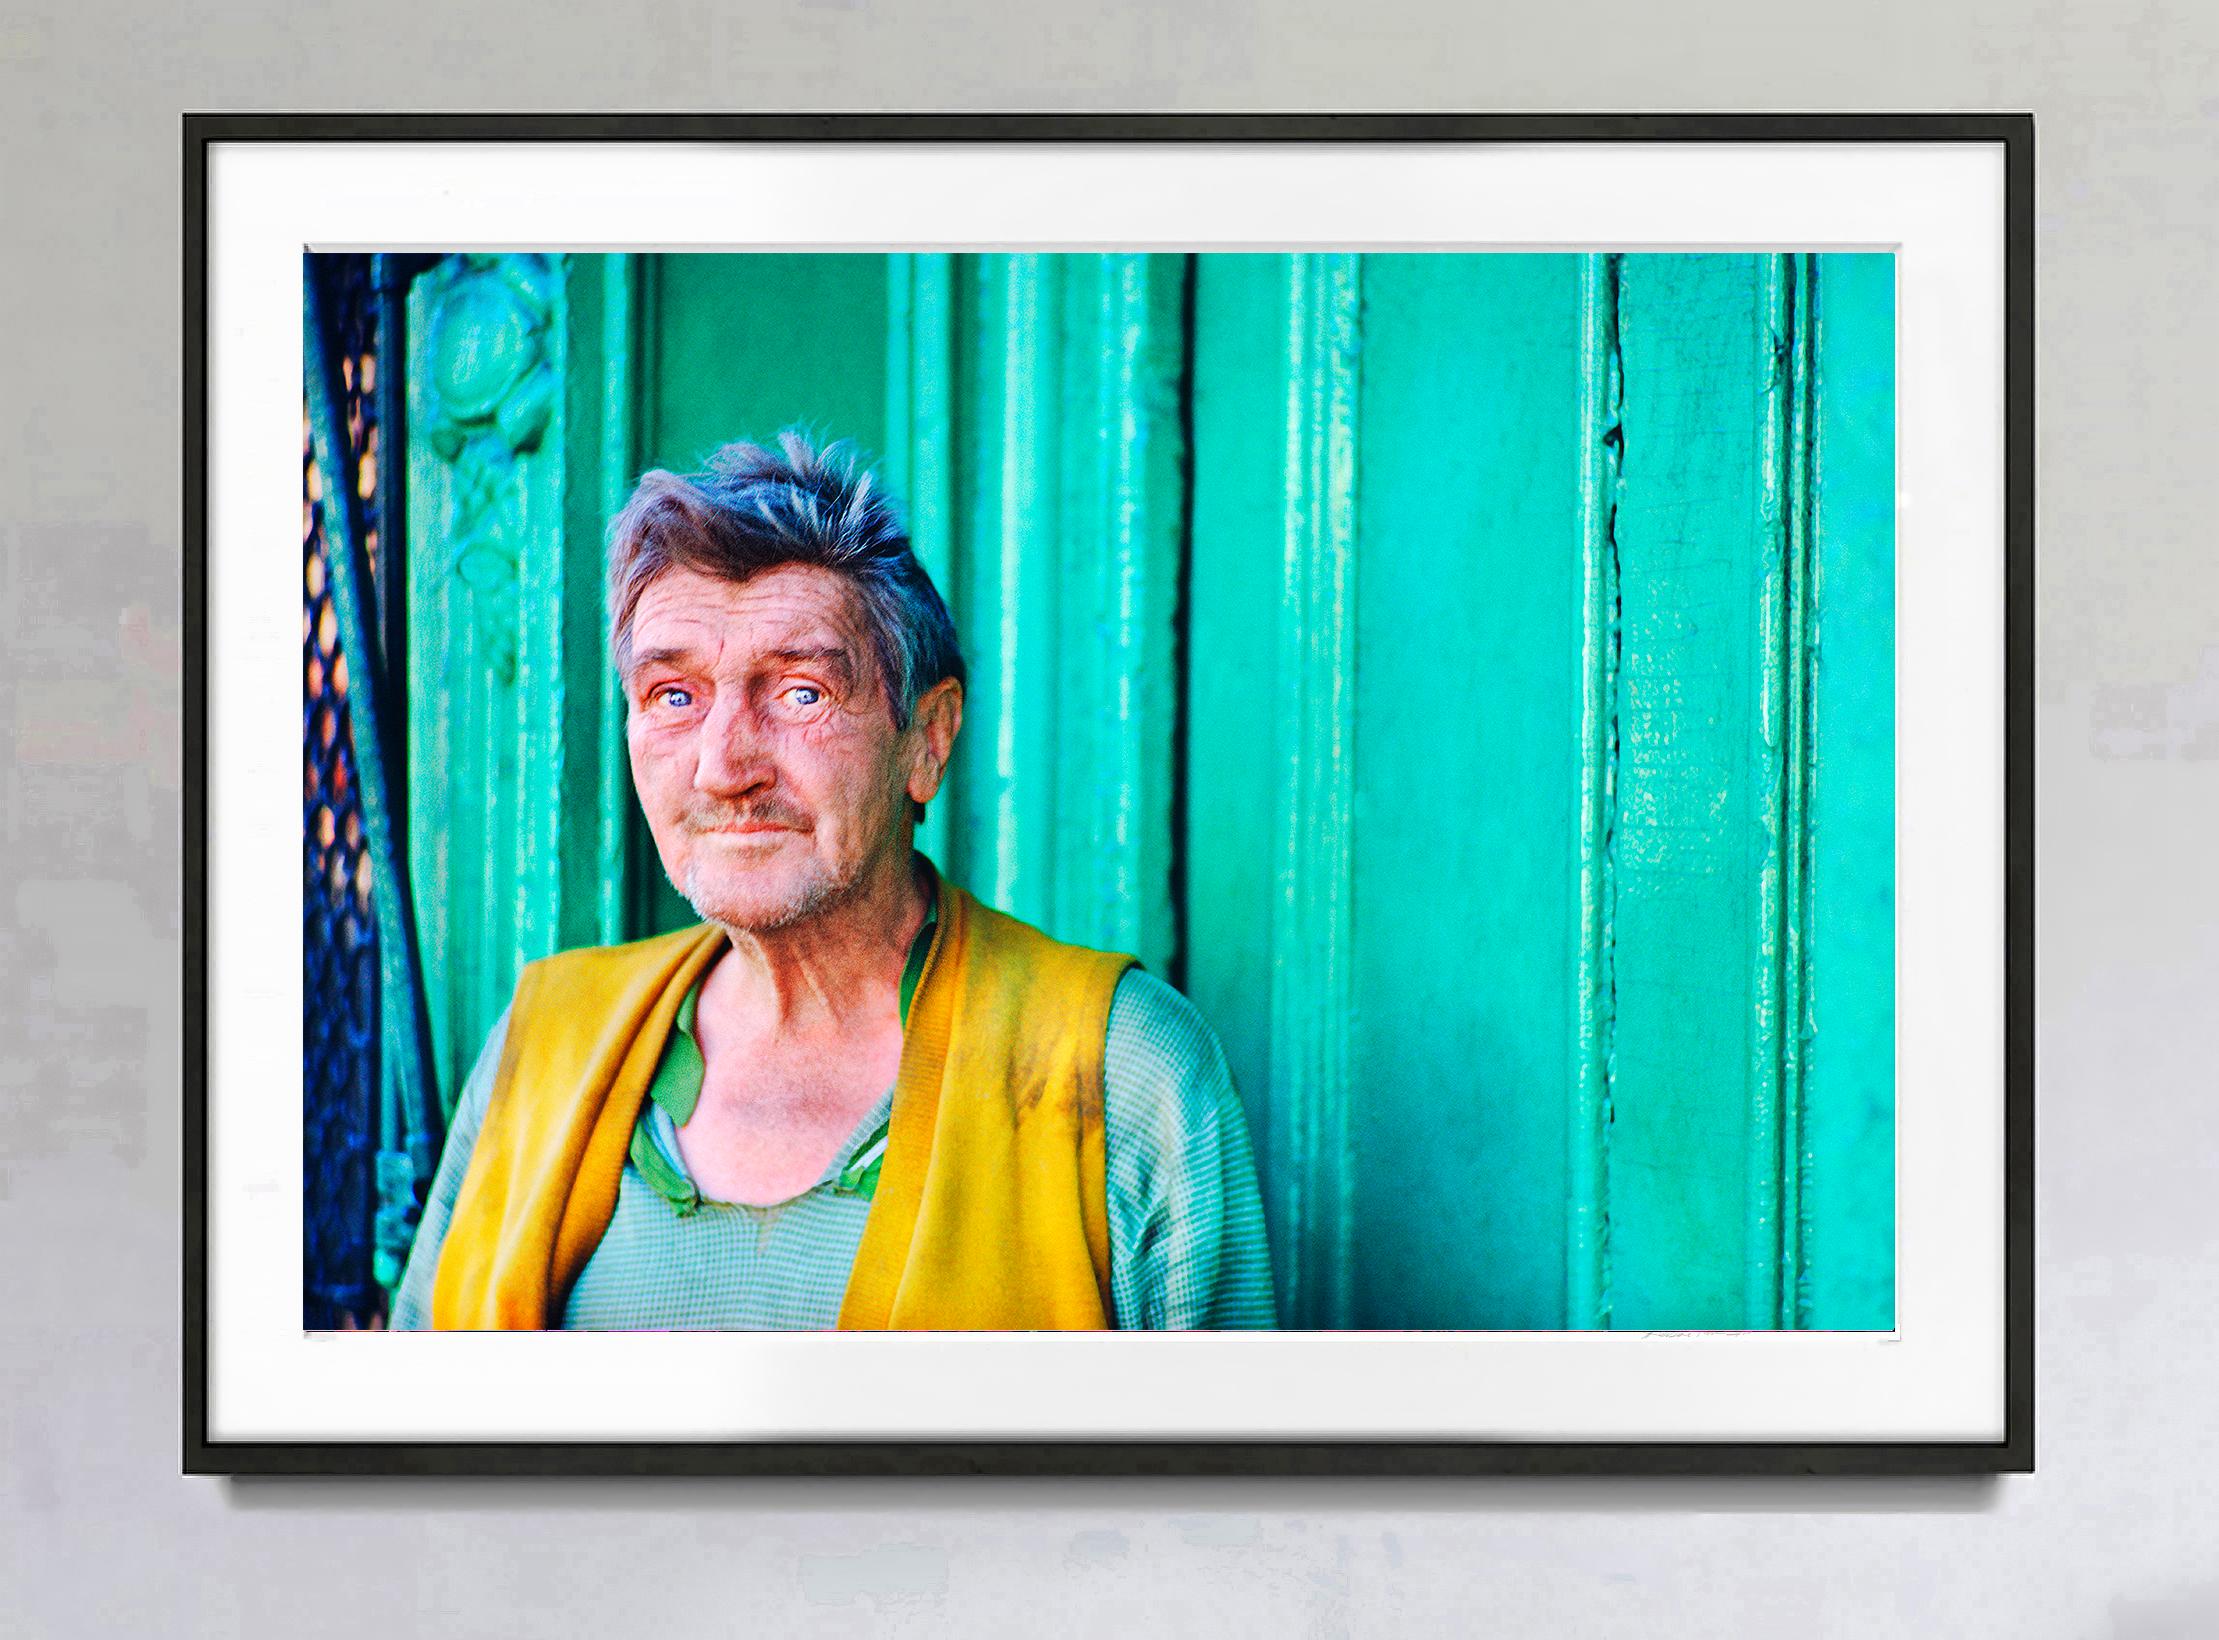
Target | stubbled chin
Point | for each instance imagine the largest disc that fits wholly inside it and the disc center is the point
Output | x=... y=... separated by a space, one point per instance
x=760 y=898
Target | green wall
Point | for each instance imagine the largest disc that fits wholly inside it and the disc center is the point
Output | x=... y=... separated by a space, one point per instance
x=1469 y=677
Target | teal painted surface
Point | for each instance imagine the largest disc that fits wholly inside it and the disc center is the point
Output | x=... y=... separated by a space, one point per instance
x=1232 y=617
x=1312 y=997
x=744 y=345
x=1751 y=864
x=1007 y=556
x=1036 y=406
x=510 y=832
x=626 y=325
x=1692 y=840
x=1470 y=677
x=1468 y=630
x=1775 y=1254
x=1594 y=931
x=483 y=395
x=920 y=440
x=1271 y=714
x=580 y=843
x=1848 y=1139
x=1123 y=454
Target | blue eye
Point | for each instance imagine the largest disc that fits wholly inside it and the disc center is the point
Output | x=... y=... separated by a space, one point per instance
x=675 y=697
x=799 y=691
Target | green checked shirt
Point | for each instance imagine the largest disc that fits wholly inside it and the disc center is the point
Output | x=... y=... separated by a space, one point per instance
x=1186 y=1225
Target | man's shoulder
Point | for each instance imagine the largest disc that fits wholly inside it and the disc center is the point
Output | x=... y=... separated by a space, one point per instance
x=1173 y=1122
x=1158 y=1038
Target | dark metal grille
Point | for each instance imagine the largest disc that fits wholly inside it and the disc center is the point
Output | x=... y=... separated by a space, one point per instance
x=340 y=1069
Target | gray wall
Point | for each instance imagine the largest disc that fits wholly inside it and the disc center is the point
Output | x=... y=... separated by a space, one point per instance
x=2118 y=1533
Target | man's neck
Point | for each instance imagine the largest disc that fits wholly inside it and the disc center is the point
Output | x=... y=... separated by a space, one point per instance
x=835 y=970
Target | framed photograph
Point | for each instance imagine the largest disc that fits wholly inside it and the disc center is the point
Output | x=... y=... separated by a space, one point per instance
x=987 y=793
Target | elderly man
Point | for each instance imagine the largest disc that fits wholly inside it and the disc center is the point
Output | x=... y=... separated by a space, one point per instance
x=853 y=1096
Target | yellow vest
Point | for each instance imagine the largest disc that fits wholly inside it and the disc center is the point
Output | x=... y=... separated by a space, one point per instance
x=991 y=1209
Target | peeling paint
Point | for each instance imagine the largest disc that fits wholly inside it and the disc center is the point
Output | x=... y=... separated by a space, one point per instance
x=1602 y=480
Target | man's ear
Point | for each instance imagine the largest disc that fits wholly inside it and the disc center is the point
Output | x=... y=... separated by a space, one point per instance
x=932 y=730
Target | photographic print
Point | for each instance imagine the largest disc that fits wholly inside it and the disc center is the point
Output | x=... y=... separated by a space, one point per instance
x=1571 y=528
x=1310 y=803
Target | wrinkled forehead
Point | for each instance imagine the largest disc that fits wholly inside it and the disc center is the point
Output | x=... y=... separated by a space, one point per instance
x=794 y=609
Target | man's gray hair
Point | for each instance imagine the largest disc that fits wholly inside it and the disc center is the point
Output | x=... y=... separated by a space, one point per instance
x=754 y=509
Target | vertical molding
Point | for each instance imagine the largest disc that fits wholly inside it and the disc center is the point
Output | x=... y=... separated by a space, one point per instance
x=1697 y=860
x=1761 y=1191
x=1231 y=621
x=431 y=833
x=1116 y=701
x=487 y=352
x=649 y=895
x=621 y=398
x=546 y=825
x=920 y=464
x=1312 y=993
x=1774 y=1144
x=1802 y=663
x=1010 y=558
x=1845 y=1179
x=1602 y=452
x=1066 y=557
x=920 y=405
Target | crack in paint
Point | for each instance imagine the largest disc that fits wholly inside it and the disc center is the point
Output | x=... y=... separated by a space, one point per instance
x=1800 y=1024
x=1588 y=1288
x=1614 y=460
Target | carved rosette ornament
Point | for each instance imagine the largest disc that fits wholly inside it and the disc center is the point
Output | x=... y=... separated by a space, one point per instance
x=494 y=388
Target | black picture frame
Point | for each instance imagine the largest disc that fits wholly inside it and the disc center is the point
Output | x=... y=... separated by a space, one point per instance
x=2014 y=1452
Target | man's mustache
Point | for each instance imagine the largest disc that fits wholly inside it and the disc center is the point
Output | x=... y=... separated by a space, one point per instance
x=704 y=818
